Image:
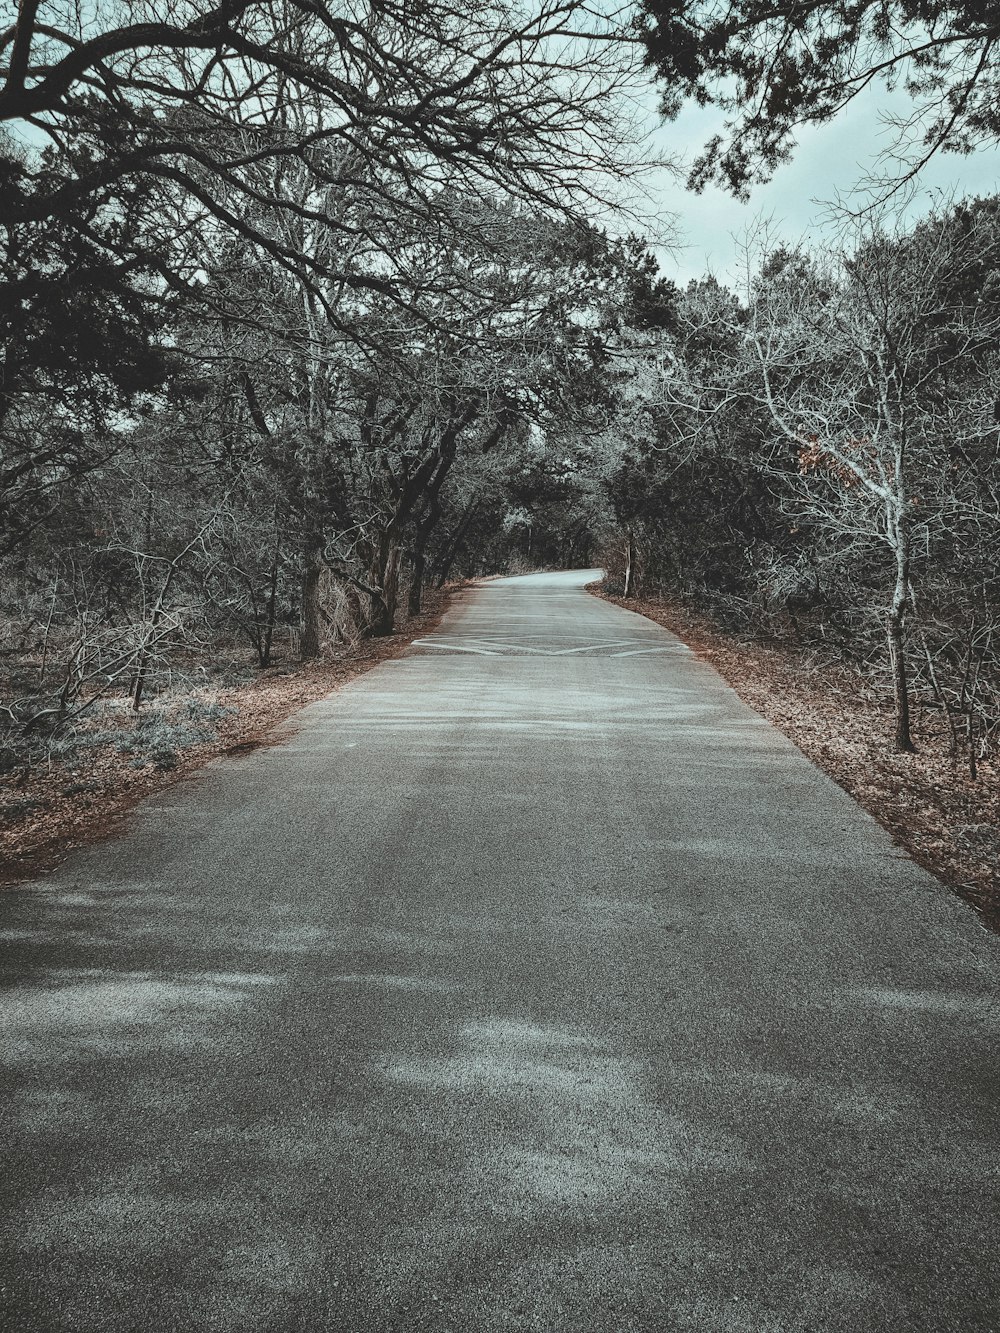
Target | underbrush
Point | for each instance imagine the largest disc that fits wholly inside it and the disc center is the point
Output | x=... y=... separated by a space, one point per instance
x=67 y=784
x=79 y=758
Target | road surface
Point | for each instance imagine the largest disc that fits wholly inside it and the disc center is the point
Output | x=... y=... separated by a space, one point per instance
x=533 y=983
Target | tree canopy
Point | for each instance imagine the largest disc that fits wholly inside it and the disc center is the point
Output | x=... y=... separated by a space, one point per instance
x=270 y=119
x=777 y=65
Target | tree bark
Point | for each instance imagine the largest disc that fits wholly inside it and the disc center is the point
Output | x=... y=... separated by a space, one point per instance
x=418 y=549
x=390 y=586
x=385 y=578
x=311 y=574
x=448 y=559
x=896 y=634
x=629 y=587
x=266 y=635
x=418 y=562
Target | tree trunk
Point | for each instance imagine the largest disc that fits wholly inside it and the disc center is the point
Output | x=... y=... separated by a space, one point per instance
x=385 y=576
x=444 y=568
x=418 y=562
x=454 y=546
x=266 y=637
x=629 y=588
x=904 y=741
x=896 y=635
x=139 y=681
x=142 y=661
x=390 y=586
x=313 y=569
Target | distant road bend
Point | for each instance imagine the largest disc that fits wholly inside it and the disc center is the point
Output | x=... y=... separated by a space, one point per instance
x=532 y=983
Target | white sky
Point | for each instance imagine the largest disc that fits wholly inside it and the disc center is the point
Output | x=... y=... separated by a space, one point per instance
x=829 y=162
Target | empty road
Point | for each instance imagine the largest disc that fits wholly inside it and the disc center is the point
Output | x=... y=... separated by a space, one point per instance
x=532 y=983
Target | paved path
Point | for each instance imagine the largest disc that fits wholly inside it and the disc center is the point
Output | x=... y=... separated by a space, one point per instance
x=535 y=983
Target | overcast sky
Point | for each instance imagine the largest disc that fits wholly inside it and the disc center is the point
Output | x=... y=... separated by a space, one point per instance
x=829 y=160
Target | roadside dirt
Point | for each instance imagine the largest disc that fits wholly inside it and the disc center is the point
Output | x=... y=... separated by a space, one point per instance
x=75 y=801
x=947 y=822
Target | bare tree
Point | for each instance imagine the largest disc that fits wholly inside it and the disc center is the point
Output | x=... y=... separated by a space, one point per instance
x=876 y=368
x=251 y=114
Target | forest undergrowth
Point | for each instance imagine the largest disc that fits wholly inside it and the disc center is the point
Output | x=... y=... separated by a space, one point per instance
x=84 y=789
x=948 y=822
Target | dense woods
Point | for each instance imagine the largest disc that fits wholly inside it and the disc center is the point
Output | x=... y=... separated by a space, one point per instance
x=821 y=461
x=307 y=307
x=291 y=299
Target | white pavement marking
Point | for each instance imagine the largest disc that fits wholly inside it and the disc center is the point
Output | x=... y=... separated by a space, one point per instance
x=504 y=648
x=585 y=648
x=454 y=648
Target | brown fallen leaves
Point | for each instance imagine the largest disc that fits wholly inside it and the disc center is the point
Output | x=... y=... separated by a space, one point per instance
x=946 y=821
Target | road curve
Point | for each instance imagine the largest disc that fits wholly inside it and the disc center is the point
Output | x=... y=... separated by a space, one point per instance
x=532 y=983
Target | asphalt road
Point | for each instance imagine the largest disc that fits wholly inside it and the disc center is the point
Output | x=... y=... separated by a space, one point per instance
x=533 y=983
